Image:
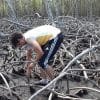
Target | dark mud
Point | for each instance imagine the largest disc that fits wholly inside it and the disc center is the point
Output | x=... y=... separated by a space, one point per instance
x=79 y=35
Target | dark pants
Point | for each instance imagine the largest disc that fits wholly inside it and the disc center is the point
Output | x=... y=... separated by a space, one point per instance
x=50 y=48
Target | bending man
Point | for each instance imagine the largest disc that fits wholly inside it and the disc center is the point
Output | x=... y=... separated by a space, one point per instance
x=45 y=41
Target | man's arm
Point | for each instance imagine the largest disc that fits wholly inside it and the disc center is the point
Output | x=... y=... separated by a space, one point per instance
x=29 y=56
x=29 y=64
x=39 y=52
x=37 y=48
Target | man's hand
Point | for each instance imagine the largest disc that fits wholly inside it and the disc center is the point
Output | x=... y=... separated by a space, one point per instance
x=29 y=69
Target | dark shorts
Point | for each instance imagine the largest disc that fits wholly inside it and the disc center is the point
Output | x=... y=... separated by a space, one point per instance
x=50 y=48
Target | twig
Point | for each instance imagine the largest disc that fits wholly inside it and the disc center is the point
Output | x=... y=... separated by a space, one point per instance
x=63 y=71
x=93 y=70
x=17 y=23
x=79 y=56
x=50 y=96
x=6 y=83
x=87 y=88
x=45 y=87
x=13 y=92
x=84 y=78
x=82 y=66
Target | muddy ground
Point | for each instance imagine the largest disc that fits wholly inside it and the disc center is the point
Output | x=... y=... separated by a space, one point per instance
x=80 y=34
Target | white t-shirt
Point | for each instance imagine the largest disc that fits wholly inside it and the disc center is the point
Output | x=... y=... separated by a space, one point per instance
x=42 y=34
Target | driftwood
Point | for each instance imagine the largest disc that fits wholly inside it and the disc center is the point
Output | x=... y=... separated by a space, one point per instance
x=64 y=70
x=79 y=53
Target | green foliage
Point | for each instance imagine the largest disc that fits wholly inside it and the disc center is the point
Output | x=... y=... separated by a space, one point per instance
x=36 y=4
x=63 y=7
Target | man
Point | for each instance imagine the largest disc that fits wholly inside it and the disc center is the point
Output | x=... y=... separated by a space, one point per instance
x=45 y=41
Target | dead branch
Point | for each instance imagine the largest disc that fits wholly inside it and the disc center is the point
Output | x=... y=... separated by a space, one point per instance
x=17 y=23
x=63 y=71
x=6 y=84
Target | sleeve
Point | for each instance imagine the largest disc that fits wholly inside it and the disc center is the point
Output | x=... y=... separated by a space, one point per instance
x=29 y=40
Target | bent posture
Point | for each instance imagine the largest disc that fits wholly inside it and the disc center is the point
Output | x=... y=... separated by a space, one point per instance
x=45 y=41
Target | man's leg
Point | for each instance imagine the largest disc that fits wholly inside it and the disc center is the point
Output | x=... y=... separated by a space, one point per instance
x=45 y=77
x=29 y=70
x=49 y=52
x=47 y=73
x=50 y=72
x=43 y=73
x=52 y=51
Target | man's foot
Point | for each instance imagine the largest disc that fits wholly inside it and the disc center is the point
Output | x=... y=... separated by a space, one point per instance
x=42 y=82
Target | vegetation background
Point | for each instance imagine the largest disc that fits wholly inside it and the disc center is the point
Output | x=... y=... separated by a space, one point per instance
x=61 y=7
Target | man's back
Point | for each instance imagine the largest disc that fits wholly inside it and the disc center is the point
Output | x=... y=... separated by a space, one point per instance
x=42 y=34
